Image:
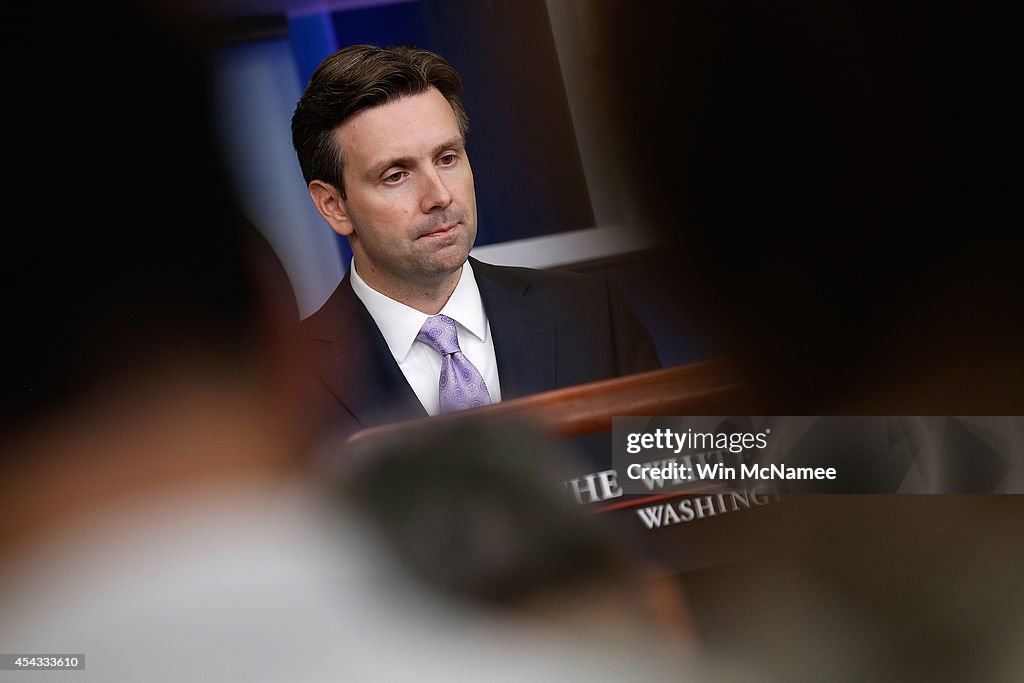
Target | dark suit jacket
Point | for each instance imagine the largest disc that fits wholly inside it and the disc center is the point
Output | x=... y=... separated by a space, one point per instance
x=551 y=330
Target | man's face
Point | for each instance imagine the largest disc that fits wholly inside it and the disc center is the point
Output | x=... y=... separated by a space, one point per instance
x=410 y=204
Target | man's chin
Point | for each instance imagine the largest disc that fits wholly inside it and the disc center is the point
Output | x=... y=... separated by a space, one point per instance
x=446 y=261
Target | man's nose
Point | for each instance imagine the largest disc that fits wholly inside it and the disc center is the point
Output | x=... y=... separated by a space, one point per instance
x=435 y=192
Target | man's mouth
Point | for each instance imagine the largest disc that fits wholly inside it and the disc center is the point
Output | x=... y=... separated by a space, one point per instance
x=441 y=230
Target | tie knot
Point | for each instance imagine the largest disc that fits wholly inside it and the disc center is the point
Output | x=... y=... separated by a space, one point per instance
x=439 y=333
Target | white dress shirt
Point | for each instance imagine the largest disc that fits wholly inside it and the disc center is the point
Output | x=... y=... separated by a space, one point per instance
x=420 y=363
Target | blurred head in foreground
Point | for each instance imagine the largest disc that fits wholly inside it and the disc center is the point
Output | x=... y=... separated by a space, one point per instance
x=478 y=511
x=144 y=446
x=832 y=187
x=144 y=313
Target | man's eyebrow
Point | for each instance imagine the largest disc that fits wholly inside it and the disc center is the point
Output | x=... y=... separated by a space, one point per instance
x=457 y=142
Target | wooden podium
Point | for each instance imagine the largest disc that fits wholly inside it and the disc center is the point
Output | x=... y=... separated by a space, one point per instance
x=712 y=387
x=700 y=388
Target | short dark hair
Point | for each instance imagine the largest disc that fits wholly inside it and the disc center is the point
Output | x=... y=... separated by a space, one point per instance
x=362 y=77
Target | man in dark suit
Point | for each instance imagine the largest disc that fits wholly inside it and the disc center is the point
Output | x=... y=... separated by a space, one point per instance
x=417 y=327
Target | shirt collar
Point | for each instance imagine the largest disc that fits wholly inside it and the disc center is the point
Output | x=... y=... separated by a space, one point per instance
x=466 y=306
x=399 y=324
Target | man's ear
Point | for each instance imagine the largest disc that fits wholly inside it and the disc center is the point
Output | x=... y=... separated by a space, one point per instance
x=329 y=203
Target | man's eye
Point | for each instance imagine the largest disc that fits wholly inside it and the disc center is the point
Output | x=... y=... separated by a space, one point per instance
x=395 y=177
x=447 y=159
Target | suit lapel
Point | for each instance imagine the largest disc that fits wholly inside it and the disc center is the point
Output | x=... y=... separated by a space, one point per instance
x=524 y=338
x=355 y=363
x=351 y=357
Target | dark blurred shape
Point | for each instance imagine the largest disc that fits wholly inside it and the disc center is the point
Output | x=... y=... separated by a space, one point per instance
x=836 y=187
x=124 y=251
x=881 y=588
x=477 y=509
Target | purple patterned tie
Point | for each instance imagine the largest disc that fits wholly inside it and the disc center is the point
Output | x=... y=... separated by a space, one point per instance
x=461 y=385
